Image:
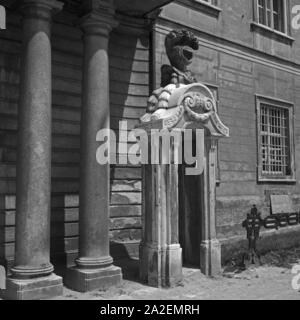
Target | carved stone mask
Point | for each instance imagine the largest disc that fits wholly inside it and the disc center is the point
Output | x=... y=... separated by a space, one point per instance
x=180 y=45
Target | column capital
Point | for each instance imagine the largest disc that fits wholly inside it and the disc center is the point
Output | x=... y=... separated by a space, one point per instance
x=41 y=9
x=100 y=23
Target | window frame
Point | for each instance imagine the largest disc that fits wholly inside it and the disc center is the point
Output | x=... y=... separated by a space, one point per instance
x=210 y=8
x=285 y=16
x=263 y=29
x=289 y=107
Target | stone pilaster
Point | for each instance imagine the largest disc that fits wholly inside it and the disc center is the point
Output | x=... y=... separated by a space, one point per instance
x=210 y=249
x=95 y=269
x=160 y=251
x=32 y=276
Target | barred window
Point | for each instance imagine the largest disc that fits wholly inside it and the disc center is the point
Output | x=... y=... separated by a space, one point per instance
x=272 y=13
x=275 y=140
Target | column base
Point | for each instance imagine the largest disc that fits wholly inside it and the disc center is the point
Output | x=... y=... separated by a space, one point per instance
x=161 y=267
x=84 y=280
x=33 y=289
x=210 y=258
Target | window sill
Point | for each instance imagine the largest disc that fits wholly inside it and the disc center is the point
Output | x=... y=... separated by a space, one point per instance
x=203 y=6
x=274 y=34
x=287 y=180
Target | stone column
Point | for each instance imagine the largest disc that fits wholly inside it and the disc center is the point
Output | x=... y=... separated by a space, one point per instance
x=210 y=249
x=94 y=268
x=160 y=251
x=32 y=276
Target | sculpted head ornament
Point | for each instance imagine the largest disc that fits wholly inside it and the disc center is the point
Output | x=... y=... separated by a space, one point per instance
x=180 y=45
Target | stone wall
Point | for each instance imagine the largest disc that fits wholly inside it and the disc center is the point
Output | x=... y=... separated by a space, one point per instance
x=9 y=93
x=129 y=73
x=240 y=63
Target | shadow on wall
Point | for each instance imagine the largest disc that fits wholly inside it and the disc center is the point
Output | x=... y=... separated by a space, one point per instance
x=124 y=260
x=129 y=80
x=67 y=61
x=129 y=91
x=9 y=95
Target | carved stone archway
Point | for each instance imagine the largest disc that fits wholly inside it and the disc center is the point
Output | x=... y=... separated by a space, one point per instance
x=179 y=108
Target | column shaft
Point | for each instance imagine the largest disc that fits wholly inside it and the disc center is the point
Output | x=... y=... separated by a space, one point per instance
x=94 y=178
x=32 y=276
x=34 y=144
x=94 y=264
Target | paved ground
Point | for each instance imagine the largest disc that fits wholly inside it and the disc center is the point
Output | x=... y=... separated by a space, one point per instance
x=272 y=280
x=262 y=283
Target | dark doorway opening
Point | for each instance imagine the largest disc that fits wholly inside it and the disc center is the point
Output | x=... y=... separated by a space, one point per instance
x=190 y=207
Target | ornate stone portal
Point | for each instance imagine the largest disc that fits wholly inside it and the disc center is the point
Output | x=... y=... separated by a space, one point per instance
x=185 y=114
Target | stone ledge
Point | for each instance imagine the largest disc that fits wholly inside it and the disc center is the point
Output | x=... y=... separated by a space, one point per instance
x=271 y=33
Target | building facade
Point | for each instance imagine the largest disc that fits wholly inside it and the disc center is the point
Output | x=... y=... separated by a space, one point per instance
x=53 y=78
x=249 y=58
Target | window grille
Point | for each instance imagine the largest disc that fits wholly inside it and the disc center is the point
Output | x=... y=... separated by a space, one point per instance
x=275 y=140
